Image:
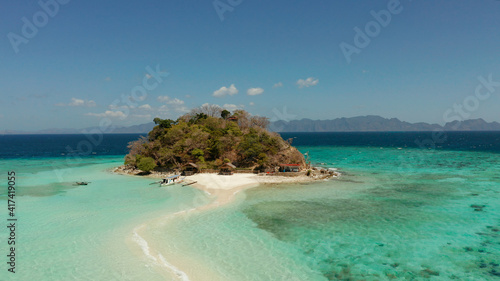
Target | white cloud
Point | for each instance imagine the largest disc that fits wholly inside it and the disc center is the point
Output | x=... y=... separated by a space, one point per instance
x=109 y=114
x=176 y=101
x=278 y=85
x=163 y=98
x=168 y=100
x=251 y=103
x=133 y=98
x=255 y=91
x=182 y=109
x=145 y=107
x=178 y=107
x=121 y=107
x=148 y=76
x=308 y=82
x=224 y=91
x=177 y=104
x=78 y=102
x=142 y=116
x=232 y=107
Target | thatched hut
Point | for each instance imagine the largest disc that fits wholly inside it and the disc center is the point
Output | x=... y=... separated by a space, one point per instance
x=190 y=169
x=227 y=169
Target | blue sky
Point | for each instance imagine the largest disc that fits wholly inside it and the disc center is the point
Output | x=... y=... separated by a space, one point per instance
x=283 y=59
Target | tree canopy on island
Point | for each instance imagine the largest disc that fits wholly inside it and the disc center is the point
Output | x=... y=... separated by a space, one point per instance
x=211 y=136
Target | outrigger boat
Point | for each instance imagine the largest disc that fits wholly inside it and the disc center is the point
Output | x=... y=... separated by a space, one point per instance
x=82 y=183
x=171 y=180
x=189 y=183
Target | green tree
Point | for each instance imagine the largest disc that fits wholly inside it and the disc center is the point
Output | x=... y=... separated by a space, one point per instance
x=225 y=114
x=164 y=123
x=130 y=160
x=146 y=164
x=262 y=158
x=197 y=152
x=250 y=147
x=198 y=117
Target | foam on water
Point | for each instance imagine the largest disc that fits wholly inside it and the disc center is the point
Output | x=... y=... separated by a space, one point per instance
x=161 y=260
x=143 y=244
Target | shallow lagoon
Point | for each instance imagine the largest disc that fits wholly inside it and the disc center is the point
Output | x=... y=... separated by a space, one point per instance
x=438 y=218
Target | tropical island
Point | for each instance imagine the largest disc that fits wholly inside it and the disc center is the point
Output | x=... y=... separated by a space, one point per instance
x=210 y=139
x=223 y=153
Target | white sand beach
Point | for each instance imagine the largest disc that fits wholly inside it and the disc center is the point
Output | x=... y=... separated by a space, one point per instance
x=220 y=182
x=222 y=189
x=212 y=182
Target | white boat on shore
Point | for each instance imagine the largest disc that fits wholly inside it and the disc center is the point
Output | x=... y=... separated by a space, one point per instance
x=171 y=180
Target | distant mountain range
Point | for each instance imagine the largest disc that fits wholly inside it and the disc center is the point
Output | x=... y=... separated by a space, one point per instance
x=370 y=123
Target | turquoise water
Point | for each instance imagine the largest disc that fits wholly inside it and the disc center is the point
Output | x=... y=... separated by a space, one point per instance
x=395 y=214
x=67 y=232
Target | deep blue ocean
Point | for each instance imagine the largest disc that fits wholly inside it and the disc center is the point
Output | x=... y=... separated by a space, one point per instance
x=29 y=146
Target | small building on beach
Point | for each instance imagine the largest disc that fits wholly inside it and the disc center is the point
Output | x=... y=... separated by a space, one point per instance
x=289 y=168
x=227 y=169
x=190 y=169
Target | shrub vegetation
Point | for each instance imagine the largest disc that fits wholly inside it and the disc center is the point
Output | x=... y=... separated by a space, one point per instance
x=210 y=136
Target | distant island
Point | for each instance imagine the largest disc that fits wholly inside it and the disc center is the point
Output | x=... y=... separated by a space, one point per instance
x=369 y=123
x=373 y=123
x=209 y=137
